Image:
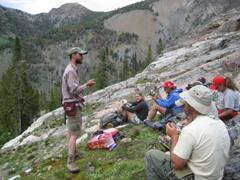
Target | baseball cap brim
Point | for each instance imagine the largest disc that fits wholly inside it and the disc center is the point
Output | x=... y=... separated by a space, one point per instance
x=180 y=102
x=82 y=52
x=213 y=86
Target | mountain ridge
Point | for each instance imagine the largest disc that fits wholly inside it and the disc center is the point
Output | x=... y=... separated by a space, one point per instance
x=145 y=21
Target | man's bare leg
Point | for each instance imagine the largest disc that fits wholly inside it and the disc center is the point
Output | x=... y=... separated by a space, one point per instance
x=68 y=135
x=72 y=144
x=154 y=110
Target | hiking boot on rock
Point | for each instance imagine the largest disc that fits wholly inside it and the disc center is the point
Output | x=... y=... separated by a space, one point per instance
x=71 y=165
x=77 y=153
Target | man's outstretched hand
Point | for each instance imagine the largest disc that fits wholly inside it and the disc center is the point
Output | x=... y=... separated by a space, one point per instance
x=90 y=82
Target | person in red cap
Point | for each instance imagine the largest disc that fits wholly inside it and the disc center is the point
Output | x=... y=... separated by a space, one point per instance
x=166 y=106
x=228 y=96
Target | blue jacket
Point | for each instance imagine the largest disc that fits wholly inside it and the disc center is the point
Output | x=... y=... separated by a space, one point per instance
x=169 y=102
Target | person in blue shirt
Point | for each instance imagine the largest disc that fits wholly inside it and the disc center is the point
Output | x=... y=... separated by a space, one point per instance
x=166 y=106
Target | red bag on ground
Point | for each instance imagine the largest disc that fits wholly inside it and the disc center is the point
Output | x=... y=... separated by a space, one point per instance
x=101 y=141
x=112 y=131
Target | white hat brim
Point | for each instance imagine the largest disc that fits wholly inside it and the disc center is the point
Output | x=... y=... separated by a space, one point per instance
x=201 y=108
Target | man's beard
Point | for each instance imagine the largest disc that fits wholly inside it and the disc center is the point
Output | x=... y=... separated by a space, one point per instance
x=78 y=61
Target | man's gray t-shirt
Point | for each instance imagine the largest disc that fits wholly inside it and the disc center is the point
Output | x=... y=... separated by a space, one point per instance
x=228 y=99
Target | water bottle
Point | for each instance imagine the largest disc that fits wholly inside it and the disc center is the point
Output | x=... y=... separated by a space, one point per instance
x=152 y=93
x=112 y=146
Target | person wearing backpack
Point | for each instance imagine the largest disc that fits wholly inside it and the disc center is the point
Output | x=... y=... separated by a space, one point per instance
x=166 y=106
x=136 y=111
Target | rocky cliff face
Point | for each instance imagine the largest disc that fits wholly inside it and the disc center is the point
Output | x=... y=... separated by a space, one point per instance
x=209 y=51
x=169 y=19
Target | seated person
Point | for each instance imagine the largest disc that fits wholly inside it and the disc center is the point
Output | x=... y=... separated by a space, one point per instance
x=203 y=81
x=228 y=96
x=199 y=142
x=180 y=102
x=166 y=106
x=193 y=84
x=139 y=110
x=200 y=83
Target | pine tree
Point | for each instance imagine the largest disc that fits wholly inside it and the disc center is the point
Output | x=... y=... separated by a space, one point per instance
x=6 y=108
x=148 y=59
x=18 y=100
x=54 y=101
x=58 y=96
x=149 y=55
x=125 y=73
x=17 y=85
x=159 y=46
x=42 y=100
x=103 y=71
x=134 y=65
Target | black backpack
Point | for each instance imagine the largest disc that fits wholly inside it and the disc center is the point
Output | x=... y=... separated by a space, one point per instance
x=112 y=118
x=161 y=125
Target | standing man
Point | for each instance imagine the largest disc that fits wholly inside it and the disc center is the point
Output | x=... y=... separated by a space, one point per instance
x=203 y=145
x=73 y=100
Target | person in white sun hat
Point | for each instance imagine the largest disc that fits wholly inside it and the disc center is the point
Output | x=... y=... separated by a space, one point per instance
x=203 y=145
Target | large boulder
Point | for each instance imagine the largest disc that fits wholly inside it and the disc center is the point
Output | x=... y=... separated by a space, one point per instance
x=233 y=165
x=232 y=64
x=231 y=25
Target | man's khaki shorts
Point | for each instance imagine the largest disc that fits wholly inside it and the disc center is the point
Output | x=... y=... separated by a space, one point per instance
x=75 y=122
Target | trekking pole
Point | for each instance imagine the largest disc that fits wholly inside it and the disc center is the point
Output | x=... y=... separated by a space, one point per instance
x=64 y=118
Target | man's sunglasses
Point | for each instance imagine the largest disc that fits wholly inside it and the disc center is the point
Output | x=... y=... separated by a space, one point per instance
x=218 y=86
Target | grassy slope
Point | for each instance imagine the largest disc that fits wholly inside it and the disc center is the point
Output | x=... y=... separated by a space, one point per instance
x=105 y=161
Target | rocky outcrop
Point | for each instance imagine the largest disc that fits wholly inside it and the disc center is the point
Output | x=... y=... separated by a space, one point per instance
x=231 y=25
x=232 y=64
x=233 y=165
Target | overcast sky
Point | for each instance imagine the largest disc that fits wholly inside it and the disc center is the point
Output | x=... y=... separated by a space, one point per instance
x=39 y=6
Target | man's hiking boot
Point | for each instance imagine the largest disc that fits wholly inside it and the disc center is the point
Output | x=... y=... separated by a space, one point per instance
x=71 y=165
x=77 y=153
